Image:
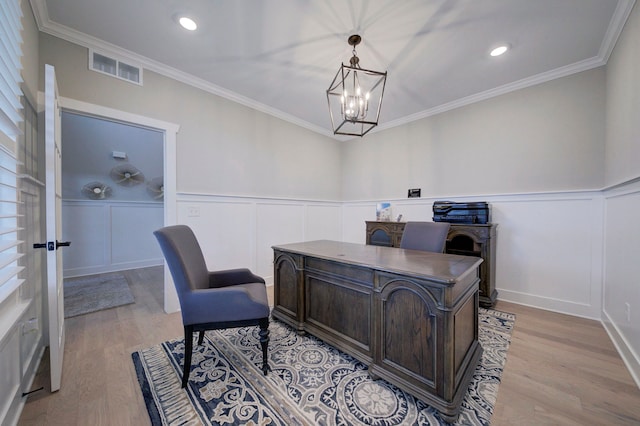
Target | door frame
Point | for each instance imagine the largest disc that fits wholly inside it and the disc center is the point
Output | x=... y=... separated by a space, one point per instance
x=170 y=131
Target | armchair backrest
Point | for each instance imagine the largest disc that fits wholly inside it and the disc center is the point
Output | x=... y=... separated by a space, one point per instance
x=184 y=257
x=425 y=236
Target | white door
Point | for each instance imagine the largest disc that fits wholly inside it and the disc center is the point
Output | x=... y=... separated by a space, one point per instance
x=55 y=291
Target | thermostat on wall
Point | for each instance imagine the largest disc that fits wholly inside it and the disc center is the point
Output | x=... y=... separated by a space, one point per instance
x=119 y=155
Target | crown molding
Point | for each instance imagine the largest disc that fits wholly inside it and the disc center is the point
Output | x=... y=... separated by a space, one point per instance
x=618 y=20
x=544 y=77
x=40 y=12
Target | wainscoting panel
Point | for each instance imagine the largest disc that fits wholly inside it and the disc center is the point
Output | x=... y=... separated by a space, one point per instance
x=323 y=222
x=276 y=223
x=549 y=253
x=110 y=236
x=621 y=305
x=225 y=230
x=240 y=231
x=414 y=210
x=87 y=227
x=132 y=240
x=31 y=328
x=354 y=216
x=10 y=381
x=549 y=246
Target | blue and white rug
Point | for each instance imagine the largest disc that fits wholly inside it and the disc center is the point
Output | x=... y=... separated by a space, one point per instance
x=311 y=383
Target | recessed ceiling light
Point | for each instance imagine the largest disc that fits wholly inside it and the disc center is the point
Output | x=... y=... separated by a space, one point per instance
x=187 y=23
x=500 y=50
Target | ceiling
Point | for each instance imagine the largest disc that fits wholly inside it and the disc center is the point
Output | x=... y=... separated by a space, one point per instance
x=279 y=56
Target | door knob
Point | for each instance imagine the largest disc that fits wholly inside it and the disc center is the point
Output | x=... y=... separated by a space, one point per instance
x=50 y=245
x=62 y=244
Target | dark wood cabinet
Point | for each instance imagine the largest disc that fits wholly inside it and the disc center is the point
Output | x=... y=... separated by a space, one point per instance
x=386 y=234
x=465 y=239
x=412 y=319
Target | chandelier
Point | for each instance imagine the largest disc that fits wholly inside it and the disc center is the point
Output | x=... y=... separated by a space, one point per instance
x=355 y=96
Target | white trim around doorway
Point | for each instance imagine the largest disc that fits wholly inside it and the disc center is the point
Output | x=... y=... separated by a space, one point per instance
x=170 y=131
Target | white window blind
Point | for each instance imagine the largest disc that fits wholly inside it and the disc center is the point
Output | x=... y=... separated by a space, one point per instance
x=10 y=67
x=10 y=119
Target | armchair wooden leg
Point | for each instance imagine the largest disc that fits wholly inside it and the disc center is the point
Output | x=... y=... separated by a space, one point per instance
x=264 y=342
x=201 y=337
x=188 y=349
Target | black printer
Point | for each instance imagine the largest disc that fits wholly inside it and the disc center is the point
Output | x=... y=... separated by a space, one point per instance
x=449 y=211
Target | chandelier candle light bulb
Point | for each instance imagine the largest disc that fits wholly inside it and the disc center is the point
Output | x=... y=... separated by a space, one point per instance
x=357 y=106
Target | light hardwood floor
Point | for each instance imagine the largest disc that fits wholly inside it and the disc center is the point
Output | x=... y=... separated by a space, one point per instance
x=560 y=370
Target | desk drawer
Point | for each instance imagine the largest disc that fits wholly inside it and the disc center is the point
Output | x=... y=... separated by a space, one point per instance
x=360 y=275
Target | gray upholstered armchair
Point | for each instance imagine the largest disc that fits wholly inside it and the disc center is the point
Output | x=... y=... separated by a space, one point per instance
x=425 y=236
x=212 y=300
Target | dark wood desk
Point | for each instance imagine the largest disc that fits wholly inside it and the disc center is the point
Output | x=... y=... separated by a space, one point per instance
x=411 y=316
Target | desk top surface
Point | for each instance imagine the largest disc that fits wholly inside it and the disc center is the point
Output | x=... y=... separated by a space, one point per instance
x=443 y=268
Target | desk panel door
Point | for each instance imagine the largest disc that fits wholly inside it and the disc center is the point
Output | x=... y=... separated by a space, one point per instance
x=409 y=336
x=339 y=312
x=289 y=290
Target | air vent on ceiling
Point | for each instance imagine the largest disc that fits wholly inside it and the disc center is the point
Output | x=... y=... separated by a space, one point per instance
x=115 y=67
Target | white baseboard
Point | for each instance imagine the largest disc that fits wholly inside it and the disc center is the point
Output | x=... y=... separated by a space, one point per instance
x=550 y=304
x=14 y=412
x=114 y=267
x=629 y=357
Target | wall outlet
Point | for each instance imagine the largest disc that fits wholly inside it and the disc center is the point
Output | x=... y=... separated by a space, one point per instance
x=193 y=211
x=627 y=310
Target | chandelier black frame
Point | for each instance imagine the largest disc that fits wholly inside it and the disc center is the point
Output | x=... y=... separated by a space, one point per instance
x=352 y=93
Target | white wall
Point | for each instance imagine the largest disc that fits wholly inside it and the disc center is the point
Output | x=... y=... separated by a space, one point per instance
x=223 y=147
x=544 y=138
x=623 y=105
x=110 y=235
x=621 y=307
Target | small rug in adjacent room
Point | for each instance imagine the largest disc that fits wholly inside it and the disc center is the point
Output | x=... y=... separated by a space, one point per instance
x=83 y=295
x=310 y=382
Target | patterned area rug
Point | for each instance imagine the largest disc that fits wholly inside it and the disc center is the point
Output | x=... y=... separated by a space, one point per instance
x=90 y=294
x=311 y=383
